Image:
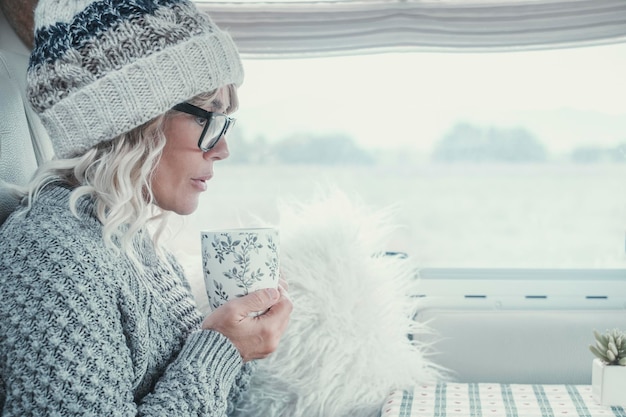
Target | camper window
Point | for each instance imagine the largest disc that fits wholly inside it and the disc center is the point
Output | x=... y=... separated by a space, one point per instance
x=503 y=159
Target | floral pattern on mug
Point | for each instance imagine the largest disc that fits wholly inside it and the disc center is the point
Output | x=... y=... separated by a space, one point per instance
x=237 y=250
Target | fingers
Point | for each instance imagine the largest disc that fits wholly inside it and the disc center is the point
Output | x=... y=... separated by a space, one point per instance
x=257 y=301
x=282 y=281
x=278 y=316
x=282 y=288
x=274 y=322
x=254 y=336
x=284 y=303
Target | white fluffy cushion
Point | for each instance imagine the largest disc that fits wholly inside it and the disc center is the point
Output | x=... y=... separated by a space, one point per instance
x=346 y=346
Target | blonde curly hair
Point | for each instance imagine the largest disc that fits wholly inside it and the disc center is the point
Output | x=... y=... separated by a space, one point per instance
x=117 y=174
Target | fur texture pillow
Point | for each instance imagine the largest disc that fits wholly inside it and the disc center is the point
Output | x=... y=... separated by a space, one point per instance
x=346 y=346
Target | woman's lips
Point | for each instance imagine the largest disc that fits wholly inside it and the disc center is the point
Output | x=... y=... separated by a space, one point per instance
x=201 y=182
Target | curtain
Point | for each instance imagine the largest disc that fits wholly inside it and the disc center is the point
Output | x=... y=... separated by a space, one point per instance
x=308 y=28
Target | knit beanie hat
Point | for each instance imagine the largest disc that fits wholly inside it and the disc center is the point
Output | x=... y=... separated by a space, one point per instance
x=101 y=68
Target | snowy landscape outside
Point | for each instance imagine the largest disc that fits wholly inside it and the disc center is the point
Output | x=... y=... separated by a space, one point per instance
x=507 y=160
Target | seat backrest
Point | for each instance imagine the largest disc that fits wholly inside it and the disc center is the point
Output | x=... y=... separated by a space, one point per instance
x=17 y=156
x=24 y=143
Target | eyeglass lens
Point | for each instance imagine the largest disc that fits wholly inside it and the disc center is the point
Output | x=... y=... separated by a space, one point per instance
x=215 y=130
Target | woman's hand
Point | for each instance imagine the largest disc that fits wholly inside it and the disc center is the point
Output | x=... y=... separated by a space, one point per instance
x=254 y=337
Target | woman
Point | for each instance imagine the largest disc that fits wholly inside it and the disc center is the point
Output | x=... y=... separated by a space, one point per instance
x=96 y=318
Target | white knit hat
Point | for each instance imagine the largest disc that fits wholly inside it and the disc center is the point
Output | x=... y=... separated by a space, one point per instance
x=102 y=68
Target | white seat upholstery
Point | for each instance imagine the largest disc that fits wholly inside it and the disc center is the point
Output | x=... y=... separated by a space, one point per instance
x=24 y=142
x=17 y=156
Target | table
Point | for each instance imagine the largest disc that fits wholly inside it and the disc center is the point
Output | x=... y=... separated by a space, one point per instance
x=496 y=400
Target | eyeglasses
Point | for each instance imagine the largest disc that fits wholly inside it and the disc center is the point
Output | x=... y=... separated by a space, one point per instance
x=216 y=124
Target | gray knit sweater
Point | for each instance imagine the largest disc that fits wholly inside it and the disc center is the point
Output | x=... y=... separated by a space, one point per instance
x=82 y=333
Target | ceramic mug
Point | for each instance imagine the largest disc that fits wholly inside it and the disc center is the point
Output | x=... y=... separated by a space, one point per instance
x=236 y=262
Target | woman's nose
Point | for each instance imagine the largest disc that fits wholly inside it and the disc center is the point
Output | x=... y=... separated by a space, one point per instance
x=219 y=152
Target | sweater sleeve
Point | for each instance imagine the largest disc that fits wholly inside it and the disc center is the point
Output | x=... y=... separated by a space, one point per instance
x=65 y=355
x=198 y=382
x=242 y=380
x=241 y=385
x=64 y=351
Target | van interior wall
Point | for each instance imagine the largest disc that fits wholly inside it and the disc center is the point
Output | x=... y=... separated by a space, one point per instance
x=520 y=326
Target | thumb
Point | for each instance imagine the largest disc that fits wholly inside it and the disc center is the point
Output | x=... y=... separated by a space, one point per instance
x=260 y=300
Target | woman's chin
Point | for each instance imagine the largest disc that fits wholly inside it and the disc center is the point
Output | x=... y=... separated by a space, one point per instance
x=182 y=208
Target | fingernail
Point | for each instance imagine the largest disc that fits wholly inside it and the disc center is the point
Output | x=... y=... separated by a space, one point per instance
x=272 y=292
x=285 y=294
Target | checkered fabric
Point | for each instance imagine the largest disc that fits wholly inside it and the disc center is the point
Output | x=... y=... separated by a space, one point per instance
x=496 y=400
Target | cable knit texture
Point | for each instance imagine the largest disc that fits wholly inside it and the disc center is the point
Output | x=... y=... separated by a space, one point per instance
x=101 y=68
x=84 y=333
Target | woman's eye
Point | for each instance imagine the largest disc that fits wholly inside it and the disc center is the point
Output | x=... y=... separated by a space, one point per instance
x=201 y=121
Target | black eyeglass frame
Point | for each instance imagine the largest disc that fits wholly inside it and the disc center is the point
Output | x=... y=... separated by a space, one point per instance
x=209 y=116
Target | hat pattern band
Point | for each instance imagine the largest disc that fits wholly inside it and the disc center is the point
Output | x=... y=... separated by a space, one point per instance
x=102 y=38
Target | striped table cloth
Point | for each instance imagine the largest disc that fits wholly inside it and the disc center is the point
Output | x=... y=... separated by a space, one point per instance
x=496 y=400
